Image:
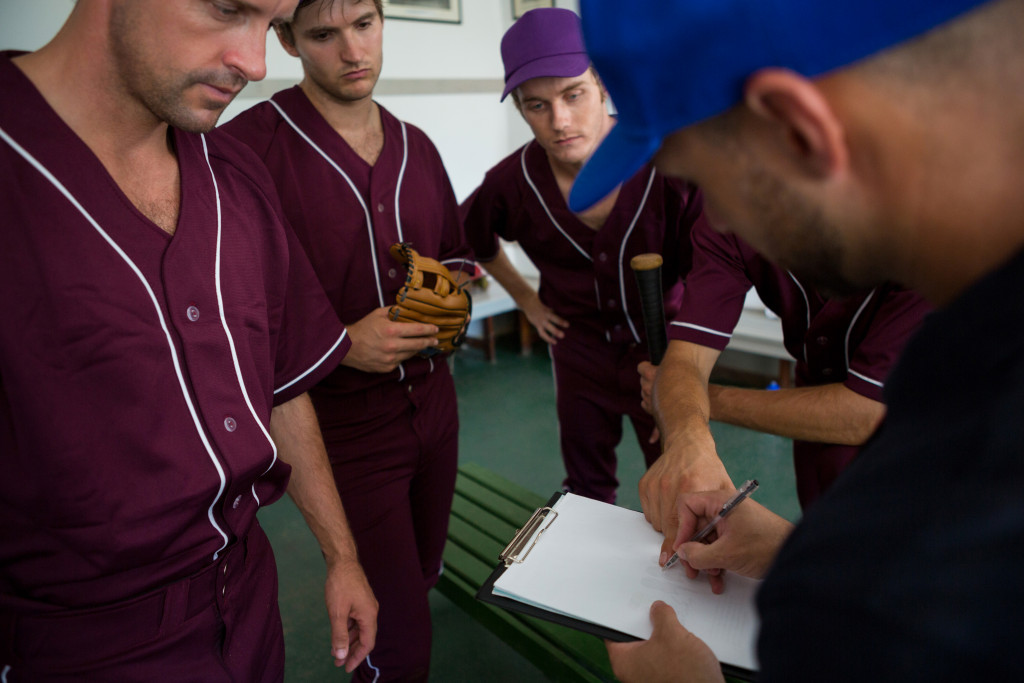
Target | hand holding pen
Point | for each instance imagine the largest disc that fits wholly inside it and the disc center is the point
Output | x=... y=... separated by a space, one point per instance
x=746 y=544
x=727 y=507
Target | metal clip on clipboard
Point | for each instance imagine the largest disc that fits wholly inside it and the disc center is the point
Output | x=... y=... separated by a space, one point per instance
x=513 y=552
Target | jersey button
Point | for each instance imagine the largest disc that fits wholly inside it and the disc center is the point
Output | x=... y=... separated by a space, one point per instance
x=230 y=424
x=822 y=341
x=380 y=208
x=602 y=257
x=193 y=313
x=611 y=303
x=392 y=273
x=234 y=506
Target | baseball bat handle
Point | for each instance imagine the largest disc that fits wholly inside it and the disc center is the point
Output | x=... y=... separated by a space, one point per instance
x=647 y=268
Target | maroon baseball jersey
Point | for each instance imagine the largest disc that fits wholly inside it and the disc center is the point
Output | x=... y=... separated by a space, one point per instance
x=347 y=213
x=138 y=370
x=585 y=273
x=853 y=340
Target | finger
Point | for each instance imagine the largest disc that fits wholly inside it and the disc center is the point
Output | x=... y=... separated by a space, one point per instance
x=403 y=347
x=362 y=640
x=339 y=643
x=415 y=329
x=662 y=616
x=666 y=552
x=561 y=322
x=546 y=336
x=717 y=581
x=655 y=436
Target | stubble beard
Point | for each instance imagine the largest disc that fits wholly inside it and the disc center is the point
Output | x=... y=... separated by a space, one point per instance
x=798 y=235
x=164 y=94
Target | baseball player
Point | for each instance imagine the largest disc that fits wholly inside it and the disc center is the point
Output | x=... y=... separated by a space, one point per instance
x=161 y=327
x=588 y=308
x=354 y=181
x=844 y=347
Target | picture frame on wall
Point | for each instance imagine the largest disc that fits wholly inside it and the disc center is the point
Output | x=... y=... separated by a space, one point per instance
x=521 y=7
x=447 y=11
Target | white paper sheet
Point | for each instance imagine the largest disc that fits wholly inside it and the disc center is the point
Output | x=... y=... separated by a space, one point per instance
x=599 y=563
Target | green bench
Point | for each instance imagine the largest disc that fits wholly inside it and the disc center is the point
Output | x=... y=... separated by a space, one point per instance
x=486 y=512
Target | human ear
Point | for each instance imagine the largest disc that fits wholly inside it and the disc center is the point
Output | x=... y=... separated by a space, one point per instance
x=286 y=43
x=800 y=111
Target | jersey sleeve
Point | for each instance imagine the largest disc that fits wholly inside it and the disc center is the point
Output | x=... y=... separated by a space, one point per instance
x=897 y=314
x=455 y=254
x=716 y=288
x=311 y=341
x=484 y=215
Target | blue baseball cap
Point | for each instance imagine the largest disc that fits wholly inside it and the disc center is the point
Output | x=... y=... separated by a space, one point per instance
x=670 y=64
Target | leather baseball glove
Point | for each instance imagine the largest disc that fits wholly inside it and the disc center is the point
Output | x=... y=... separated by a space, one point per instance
x=431 y=296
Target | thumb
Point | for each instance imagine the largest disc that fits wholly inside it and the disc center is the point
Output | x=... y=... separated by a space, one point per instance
x=662 y=616
x=339 y=640
x=698 y=555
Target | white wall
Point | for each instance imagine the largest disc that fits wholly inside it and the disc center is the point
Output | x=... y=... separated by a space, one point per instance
x=444 y=78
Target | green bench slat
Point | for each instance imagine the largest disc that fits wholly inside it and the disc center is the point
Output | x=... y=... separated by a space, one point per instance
x=481 y=545
x=499 y=484
x=506 y=509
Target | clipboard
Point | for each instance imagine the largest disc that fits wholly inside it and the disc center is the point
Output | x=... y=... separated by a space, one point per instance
x=518 y=550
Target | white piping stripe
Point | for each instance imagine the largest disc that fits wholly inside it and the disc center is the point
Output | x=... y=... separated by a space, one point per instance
x=160 y=316
x=315 y=365
x=3 y=674
x=849 y=331
x=359 y=197
x=622 y=257
x=702 y=329
x=227 y=331
x=554 y=380
x=398 y=185
x=526 y=174
x=376 y=671
x=866 y=379
x=807 y=304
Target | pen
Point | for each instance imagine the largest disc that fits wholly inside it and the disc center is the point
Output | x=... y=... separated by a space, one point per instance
x=728 y=507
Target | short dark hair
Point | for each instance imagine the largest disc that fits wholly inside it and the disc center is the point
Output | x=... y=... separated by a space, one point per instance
x=285 y=29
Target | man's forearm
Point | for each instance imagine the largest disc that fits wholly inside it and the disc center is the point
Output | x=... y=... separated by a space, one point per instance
x=829 y=413
x=294 y=428
x=682 y=406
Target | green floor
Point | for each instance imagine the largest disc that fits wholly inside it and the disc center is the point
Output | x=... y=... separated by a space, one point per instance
x=508 y=425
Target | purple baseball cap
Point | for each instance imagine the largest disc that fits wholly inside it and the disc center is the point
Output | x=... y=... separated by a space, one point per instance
x=544 y=42
x=667 y=65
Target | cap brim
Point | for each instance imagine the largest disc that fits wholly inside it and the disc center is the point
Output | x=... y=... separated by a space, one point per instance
x=555 y=66
x=617 y=158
